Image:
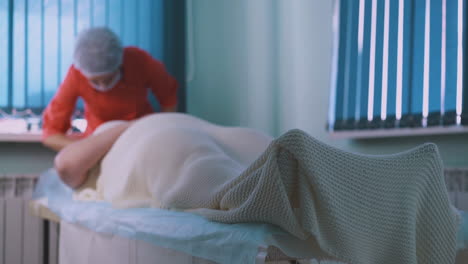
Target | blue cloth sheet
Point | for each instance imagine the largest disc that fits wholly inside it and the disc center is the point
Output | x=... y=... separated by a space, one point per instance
x=185 y=232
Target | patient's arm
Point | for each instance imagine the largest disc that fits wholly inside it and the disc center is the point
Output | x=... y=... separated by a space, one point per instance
x=58 y=141
x=73 y=161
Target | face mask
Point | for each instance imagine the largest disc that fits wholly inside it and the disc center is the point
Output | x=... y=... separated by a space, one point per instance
x=105 y=88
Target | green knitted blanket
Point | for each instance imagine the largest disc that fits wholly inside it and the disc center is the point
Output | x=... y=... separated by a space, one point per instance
x=357 y=208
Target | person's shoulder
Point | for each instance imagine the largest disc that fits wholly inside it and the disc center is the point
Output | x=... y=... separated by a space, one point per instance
x=73 y=70
x=74 y=74
x=136 y=52
x=133 y=57
x=137 y=56
x=74 y=81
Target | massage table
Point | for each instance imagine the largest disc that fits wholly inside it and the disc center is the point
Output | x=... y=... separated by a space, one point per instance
x=78 y=244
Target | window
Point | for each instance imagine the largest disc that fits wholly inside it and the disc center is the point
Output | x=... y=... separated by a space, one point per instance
x=399 y=64
x=37 y=39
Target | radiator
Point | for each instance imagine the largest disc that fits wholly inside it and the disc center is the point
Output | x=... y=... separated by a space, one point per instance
x=24 y=238
x=457 y=185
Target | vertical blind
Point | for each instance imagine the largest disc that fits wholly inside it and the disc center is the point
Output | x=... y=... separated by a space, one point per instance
x=37 y=39
x=399 y=63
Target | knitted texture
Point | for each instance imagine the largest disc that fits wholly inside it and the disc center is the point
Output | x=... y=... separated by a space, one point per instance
x=359 y=208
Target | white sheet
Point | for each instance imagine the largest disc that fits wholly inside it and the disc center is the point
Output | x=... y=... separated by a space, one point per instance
x=79 y=245
x=162 y=156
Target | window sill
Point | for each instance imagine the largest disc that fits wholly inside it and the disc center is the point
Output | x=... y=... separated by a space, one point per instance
x=32 y=137
x=398 y=132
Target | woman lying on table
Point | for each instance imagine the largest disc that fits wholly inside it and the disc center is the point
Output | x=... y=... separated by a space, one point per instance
x=356 y=208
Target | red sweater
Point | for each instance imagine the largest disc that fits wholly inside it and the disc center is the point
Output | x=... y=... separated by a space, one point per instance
x=126 y=101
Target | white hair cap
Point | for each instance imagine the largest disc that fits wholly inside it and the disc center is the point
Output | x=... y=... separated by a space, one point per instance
x=98 y=51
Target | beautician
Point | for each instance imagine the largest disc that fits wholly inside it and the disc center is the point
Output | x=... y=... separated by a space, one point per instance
x=113 y=82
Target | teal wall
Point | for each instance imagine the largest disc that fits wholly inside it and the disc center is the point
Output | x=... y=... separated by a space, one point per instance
x=266 y=64
x=24 y=158
x=217 y=61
